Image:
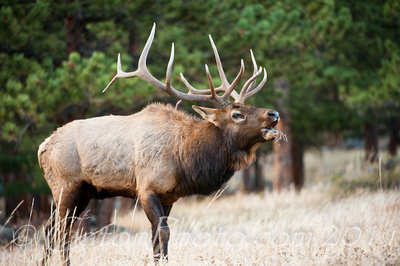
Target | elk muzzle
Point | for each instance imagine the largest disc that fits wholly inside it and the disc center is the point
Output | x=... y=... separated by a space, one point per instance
x=268 y=132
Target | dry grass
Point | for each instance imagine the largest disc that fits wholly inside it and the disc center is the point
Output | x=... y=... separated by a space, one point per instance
x=318 y=226
x=286 y=228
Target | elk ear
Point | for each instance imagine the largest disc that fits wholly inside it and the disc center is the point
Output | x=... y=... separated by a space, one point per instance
x=208 y=114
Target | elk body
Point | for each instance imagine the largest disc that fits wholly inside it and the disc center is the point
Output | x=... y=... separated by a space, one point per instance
x=157 y=155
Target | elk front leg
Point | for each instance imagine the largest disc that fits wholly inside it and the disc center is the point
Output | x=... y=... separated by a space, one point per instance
x=157 y=215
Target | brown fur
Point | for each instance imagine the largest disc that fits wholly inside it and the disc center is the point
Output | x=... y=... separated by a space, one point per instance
x=159 y=155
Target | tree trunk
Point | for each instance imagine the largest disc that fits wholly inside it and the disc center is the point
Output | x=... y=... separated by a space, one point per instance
x=394 y=139
x=298 y=164
x=283 y=167
x=371 y=141
x=86 y=223
x=253 y=182
x=258 y=178
x=125 y=205
x=11 y=202
x=133 y=44
x=246 y=184
x=45 y=205
x=104 y=212
x=73 y=31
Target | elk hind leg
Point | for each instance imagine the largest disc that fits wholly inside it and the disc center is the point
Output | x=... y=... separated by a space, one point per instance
x=69 y=207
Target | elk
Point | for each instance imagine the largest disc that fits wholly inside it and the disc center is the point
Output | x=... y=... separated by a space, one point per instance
x=159 y=154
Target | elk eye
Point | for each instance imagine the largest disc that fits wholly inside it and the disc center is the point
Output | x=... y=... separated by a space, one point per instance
x=237 y=116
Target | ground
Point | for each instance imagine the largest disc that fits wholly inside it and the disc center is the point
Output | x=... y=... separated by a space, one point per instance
x=327 y=223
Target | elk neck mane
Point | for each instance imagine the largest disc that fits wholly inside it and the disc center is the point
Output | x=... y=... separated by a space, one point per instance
x=205 y=155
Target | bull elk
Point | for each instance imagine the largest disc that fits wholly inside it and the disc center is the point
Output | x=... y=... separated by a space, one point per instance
x=159 y=154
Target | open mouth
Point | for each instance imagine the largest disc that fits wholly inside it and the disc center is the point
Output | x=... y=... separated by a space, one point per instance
x=269 y=133
x=273 y=124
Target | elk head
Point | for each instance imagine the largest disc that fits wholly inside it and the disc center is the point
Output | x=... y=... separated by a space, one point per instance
x=247 y=125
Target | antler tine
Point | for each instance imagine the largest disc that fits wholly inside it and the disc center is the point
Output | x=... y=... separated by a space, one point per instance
x=169 y=68
x=143 y=57
x=242 y=96
x=219 y=63
x=141 y=64
x=142 y=68
x=120 y=73
x=248 y=88
x=253 y=59
x=114 y=78
x=225 y=86
x=259 y=87
x=210 y=83
x=231 y=90
x=144 y=73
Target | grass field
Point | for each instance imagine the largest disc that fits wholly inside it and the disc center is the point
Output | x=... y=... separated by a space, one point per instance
x=324 y=224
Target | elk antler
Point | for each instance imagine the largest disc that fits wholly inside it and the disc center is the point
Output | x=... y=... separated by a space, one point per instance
x=143 y=73
x=194 y=94
x=248 y=88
